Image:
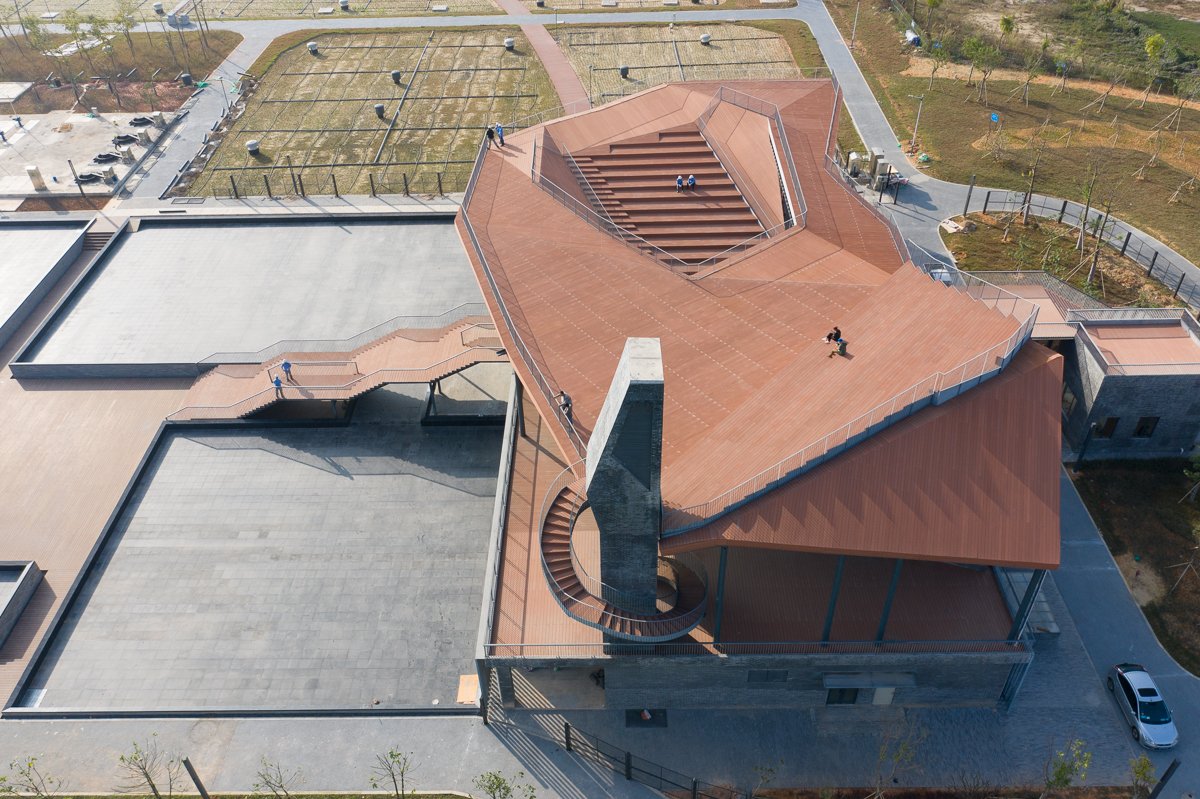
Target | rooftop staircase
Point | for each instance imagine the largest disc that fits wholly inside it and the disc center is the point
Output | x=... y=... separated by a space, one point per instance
x=234 y=391
x=683 y=590
x=634 y=181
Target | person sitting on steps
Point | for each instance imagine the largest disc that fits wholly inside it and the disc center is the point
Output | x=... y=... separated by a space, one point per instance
x=691 y=182
x=679 y=184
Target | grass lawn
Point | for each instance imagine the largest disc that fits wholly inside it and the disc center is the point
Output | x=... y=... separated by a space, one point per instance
x=151 y=52
x=1136 y=505
x=1001 y=242
x=954 y=126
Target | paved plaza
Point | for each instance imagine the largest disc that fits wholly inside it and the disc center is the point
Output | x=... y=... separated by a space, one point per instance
x=180 y=292
x=289 y=567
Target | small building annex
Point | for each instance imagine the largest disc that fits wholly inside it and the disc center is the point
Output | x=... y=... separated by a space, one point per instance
x=705 y=499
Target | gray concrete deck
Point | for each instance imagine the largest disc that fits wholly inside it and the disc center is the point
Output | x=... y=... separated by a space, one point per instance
x=289 y=568
x=28 y=256
x=179 y=292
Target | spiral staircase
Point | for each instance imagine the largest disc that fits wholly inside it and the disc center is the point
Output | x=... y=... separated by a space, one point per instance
x=682 y=580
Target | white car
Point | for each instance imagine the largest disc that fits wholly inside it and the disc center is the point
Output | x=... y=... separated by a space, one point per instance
x=1143 y=706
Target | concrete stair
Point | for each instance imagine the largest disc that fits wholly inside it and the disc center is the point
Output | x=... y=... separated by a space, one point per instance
x=635 y=183
x=576 y=599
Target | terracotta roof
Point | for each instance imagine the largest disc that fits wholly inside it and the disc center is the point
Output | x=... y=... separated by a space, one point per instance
x=974 y=480
x=748 y=380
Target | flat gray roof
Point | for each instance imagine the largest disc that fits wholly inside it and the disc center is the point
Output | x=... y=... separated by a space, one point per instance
x=181 y=291
x=289 y=568
x=28 y=253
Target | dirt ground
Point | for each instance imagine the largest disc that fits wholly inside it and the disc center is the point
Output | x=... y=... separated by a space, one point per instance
x=1047 y=245
x=154 y=51
x=650 y=52
x=64 y=204
x=319 y=113
x=134 y=96
x=1136 y=505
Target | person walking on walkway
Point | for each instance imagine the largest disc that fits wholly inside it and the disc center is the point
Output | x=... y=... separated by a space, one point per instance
x=564 y=402
x=287 y=371
x=278 y=387
x=491 y=135
x=500 y=133
x=679 y=184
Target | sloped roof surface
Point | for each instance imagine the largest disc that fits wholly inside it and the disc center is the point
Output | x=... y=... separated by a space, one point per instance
x=748 y=380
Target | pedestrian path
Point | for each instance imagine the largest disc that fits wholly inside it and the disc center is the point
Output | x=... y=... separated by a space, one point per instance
x=566 y=82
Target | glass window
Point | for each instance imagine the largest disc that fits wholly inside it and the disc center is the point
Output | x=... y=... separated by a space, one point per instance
x=842 y=696
x=1127 y=689
x=1145 y=427
x=1147 y=692
x=1106 y=427
x=1068 y=401
x=1154 y=712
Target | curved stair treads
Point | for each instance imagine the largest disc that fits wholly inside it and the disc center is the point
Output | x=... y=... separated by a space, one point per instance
x=580 y=595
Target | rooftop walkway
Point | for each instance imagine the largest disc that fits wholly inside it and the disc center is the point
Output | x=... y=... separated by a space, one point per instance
x=406 y=356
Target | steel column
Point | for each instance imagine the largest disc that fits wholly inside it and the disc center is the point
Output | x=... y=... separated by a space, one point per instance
x=1031 y=592
x=720 y=594
x=887 y=604
x=833 y=597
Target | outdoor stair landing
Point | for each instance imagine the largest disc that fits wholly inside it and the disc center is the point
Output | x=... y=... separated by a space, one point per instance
x=634 y=181
x=232 y=391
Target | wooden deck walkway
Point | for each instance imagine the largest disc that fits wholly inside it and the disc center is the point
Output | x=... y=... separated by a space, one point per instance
x=407 y=356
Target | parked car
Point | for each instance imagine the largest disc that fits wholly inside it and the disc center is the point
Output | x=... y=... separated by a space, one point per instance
x=1144 y=708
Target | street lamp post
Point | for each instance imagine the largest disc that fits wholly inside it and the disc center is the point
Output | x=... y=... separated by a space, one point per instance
x=913 y=143
x=854 y=30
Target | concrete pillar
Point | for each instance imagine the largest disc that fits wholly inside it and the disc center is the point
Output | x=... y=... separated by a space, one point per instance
x=504 y=681
x=624 y=464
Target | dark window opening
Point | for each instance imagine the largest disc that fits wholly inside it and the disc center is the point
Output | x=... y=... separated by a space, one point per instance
x=767 y=675
x=1106 y=427
x=1068 y=401
x=842 y=696
x=1145 y=427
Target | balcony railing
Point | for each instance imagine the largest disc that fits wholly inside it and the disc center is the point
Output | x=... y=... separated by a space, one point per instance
x=932 y=390
x=600 y=601
x=535 y=372
x=555 y=651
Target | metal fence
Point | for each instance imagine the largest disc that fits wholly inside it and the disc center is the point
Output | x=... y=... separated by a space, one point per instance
x=299 y=181
x=1046 y=281
x=1169 y=268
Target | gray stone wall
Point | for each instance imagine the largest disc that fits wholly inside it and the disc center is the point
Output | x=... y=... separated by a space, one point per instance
x=941 y=680
x=1175 y=399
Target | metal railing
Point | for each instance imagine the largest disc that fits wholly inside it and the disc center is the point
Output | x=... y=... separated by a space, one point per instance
x=580 y=178
x=1166 y=266
x=834 y=168
x=533 y=653
x=535 y=372
x=601 y=599
x=681 y=267
x=933 y=390
x=368 y=336
x=1080 y=321
x=1044 y=279
x=753 y=104
x=344 y=391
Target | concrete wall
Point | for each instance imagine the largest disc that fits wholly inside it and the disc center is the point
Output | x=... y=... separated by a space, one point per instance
x=941 y=680
x=1175 y=399
x=27 y=578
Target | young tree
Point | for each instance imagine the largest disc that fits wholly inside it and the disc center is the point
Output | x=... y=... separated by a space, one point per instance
x=939 y=51
x=766 y=775
x=124 y=22
x=1064 y=766
x=495 y=786
x=26 y=778
x=933 y=6
x=394 y=767
x=1033 y=62
x=1156 y=51
x=276 y=780
x=149 y=768
x=1142 y=772
x=985 y=58
x=899 y=746
x=73 y=22
x=1008 y=26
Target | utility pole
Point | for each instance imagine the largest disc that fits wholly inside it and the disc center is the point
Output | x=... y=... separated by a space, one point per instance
x=913 y=144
